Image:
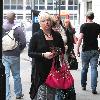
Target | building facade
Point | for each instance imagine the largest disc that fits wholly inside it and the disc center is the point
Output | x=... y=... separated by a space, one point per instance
x=89 y=5
x=23 y=8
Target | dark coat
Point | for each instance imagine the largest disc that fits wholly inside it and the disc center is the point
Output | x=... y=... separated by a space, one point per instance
x=42 y=66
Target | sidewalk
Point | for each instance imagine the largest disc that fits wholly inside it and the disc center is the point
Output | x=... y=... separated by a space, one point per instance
x=26 y=77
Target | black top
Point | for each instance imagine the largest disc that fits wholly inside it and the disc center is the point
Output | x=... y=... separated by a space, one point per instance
x=91 y=32
x=70 y=41
x=50 y=44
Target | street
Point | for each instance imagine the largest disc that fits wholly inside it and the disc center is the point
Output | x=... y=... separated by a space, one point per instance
x=26 y=77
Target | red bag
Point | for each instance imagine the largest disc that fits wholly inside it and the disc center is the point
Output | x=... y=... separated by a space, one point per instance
x=61 y=79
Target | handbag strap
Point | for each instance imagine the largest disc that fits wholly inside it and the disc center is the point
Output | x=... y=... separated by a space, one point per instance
x=53 y=62
x=62 y=61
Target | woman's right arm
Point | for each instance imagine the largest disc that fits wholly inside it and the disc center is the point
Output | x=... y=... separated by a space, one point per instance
x=32 y=48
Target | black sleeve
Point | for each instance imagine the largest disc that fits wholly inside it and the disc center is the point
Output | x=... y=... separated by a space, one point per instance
x=32 y=49
x=82 y=28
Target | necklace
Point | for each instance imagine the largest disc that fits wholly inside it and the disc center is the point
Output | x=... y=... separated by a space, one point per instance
x=48 y=35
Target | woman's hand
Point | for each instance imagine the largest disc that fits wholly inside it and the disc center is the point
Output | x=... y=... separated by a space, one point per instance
x=48 y=55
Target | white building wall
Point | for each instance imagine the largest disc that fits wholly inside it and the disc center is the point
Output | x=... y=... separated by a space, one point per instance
x=96 y=10
x=82 y=12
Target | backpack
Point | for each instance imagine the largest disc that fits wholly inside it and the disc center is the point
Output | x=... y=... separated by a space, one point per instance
x=8 y=40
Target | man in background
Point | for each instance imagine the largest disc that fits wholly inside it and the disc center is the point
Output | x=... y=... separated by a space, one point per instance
x=11 y=58
x=89 y=33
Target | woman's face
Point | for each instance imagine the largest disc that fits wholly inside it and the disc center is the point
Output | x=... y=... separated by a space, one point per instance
x=45 y=24
x=66 y=22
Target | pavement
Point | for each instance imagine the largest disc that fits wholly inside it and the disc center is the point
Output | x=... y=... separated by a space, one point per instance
x=26 y=80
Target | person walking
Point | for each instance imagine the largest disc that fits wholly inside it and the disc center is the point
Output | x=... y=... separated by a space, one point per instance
x=71 y=38
x=59 y=27
x=89 y=32
x=11 y=58
x=40 y=48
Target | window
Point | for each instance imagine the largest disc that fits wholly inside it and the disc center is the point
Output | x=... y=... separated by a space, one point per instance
x=6 y=1
x=75 y=2
x=70 y=2
x=28 y=16
x=70 y=7
x=41 y=2
x=19 y=7
x=89 y=6
x=41 y=7
x=28 y=7
x=49 y=2
x=63 y=2
x=36 y=7
x=13 y=6
x=19 y=1
x=6 y=4
x=73 y=16
x=36 y=1
x=75 y=7
x=13 y=1
x=49 y=7
x=19 y=16
x=62 y=7
x=6 y=7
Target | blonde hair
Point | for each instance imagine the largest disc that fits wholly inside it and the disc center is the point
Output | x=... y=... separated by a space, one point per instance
x=10 y=15
x=43 y=15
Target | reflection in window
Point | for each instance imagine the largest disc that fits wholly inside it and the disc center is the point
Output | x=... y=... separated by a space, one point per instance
x=50 y=2
x=71 y=16
x=62 y=2
x=13 y=6
x=6 y=7
x=19 y=17
x=49 y=7
x=76 y=2
x=28 y=16
x=28 y=7
x=75 y=7
x=6 y=1
x=19 y=7
x=70 y=2
x=89 y=6
x=36 y=1
x=70 y=7
x=41 y=7
x=13 y=1
x=62 y=7
x=41 y=1
x=19 y=1
x=75 y=17
x=36 y=7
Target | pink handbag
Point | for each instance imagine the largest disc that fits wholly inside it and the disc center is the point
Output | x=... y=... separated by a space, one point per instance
x=61 y=79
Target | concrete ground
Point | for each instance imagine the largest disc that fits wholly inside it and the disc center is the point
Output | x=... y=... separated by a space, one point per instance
x=80 y=94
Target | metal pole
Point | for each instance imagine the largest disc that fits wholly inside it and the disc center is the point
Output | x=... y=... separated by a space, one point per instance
x=34 y=4
x=2 y=68
x=59 y=6
x=56 y=7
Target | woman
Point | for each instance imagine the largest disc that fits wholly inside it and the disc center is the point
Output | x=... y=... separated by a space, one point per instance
x=70 y=32
x=67 y=94
x=58 y=26
x=40 y=47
